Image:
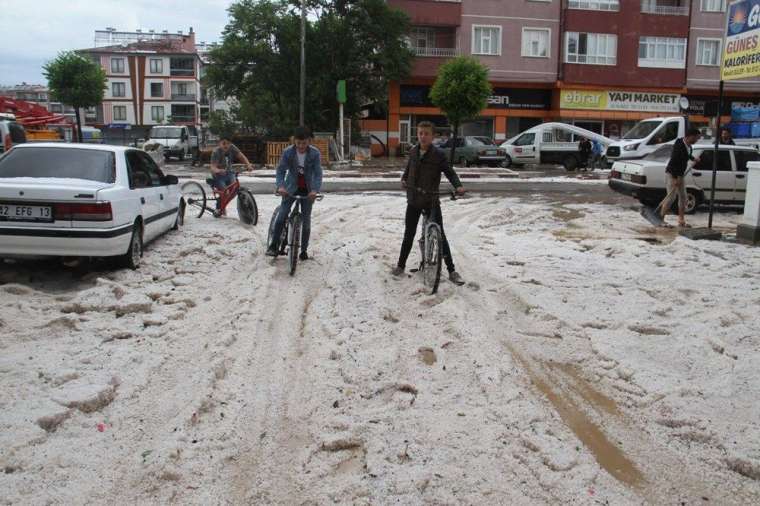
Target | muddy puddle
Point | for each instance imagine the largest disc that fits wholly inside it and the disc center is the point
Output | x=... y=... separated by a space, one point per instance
x=427 y=355
x=609 y=456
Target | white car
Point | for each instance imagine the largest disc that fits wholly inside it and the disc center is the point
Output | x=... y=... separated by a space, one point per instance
x=645 y=179
x=84 y=200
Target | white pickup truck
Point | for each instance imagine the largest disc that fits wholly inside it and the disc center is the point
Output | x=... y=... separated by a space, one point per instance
x=177 y=140
x=549 y=143
x=644 y=179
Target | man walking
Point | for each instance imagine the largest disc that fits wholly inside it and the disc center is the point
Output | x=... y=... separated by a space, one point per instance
x=422 y=179
x=675 y=172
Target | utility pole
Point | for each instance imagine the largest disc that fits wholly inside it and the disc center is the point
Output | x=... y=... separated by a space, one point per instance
x=303 y=62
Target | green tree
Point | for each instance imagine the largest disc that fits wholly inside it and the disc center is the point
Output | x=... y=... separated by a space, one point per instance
x=77 y=81
x=461 y=91
x=222 y=123
x=361 y=41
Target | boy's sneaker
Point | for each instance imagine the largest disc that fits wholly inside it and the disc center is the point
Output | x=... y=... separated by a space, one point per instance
x=455 y=278
x=271 y=252
x=397 y=271
x=303 y=256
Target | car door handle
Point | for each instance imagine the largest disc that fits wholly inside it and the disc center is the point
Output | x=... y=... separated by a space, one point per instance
x=697 y=174
x=161 y=195
x=142 y=200
x=740 y=176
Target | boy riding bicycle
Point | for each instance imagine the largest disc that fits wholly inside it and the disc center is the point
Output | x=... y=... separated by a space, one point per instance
x=422 y=179
x=221 y=163
x=298 y=173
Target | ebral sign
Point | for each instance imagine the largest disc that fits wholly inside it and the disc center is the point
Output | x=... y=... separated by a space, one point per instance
x=614 y=100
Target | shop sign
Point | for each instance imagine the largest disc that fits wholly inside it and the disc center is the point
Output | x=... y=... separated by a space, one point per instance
x=612 y=100
x=502 y=98
x=741 y=47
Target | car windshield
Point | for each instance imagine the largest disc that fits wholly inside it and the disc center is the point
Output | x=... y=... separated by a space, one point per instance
x=476 y=141
x=661 y=154
x=642 y=130
x=165 y=133
x=90 y=164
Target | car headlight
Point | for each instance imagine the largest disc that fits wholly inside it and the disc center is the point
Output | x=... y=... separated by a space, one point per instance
x=630 y=147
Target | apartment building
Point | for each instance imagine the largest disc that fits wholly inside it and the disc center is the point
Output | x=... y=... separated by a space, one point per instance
x=153 y=78
x=600 y=64
x=517 y=40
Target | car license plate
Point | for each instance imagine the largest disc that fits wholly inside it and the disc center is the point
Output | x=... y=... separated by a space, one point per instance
x=17 y=212
x=491 y=152
x=625 y=176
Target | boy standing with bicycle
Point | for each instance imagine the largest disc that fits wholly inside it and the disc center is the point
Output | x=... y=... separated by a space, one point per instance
x=221 y=163
x=298 y=173
x=422 y=179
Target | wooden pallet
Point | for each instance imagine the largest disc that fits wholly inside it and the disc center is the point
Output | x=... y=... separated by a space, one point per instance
x=275 y=149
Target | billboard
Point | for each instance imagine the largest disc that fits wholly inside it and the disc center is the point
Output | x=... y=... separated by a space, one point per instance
x=614 y=100
x=741 y=47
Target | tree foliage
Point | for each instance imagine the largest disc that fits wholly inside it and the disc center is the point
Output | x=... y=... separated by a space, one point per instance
x=75 y=80
x=258 y=61
x=461 y=91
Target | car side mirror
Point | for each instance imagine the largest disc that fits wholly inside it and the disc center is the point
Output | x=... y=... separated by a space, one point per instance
x=170 y=180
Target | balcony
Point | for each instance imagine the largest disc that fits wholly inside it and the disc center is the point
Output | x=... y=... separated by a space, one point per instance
x=435 y=52
x=182 y=118
x=183 y=97
x=430 y=12
x=666 y=9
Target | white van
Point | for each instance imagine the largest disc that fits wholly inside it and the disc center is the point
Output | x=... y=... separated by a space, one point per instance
x=549 y=143
x=645 y=137
x=176 y=140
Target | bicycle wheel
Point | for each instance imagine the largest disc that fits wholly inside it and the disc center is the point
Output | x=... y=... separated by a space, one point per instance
x=431 y=273
x=246 y=206
x=270 y=232
x=195 y=197
x=294 y=241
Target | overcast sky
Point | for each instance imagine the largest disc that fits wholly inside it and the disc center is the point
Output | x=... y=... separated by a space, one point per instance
x=34 y=32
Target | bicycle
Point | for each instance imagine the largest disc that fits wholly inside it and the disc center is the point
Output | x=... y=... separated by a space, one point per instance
x=195 y=196
x=291 y=232
x=431 y=243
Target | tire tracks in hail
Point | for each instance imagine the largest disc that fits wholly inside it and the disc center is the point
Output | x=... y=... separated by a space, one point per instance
x=648 y=468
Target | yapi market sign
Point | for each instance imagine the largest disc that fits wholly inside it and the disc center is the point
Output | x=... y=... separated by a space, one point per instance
x=612 y=100
x=741 y=48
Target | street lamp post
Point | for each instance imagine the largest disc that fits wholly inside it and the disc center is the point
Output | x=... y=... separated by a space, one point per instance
x=303 y=62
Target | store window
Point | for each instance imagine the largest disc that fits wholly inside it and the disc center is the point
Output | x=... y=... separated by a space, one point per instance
x=591 y=48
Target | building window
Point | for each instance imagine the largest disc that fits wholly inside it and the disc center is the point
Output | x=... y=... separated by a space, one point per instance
x=535 y=42
x=422 y=38
x=120 y=113
x=156 y=66
x=157 y=90
x=117 y=65
x=118 y=90
x=708 y=52
x=591 y=48
x=157 y=113
x=713 y=6
x=486 y=40
x=662 y=52
x=56 y=108
x=181 y=66
x=90 y=112
x=595 y=5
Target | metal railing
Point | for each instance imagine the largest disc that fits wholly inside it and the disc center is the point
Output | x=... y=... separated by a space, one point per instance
x=437 y=52
x=648 y=7
x=187 y=97
x=181 y=72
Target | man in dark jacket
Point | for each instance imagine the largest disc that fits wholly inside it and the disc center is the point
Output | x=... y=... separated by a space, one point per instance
x=423 y=172
x=675 y=172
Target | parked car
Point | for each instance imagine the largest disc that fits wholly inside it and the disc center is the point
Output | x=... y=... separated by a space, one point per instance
x=474 y=150
x=645 y=179
x=84 y=200
x=11 y=132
